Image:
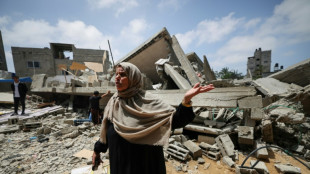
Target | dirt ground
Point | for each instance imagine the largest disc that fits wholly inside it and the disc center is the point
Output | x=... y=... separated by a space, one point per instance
x=274 y=158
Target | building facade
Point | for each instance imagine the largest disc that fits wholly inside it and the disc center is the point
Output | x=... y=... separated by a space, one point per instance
x=259 y=64
x=3 y=65
x=30 y=61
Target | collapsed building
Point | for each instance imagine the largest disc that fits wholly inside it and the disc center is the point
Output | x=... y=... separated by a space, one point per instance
x=231 y=119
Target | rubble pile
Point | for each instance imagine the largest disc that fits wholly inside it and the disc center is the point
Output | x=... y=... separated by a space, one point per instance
x=237 y=118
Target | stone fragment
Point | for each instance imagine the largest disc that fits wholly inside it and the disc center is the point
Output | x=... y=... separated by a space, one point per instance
x=245 y=135
x=287 y=168
x=194 y=149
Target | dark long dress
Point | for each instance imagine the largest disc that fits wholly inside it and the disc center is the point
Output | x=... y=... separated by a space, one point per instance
x=128 y=158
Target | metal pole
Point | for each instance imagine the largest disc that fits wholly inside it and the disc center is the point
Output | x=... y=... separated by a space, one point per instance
x=111 y=53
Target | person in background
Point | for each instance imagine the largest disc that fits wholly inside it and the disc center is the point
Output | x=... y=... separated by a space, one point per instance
x=96 y=112
x=19 y=93
x=136 y=126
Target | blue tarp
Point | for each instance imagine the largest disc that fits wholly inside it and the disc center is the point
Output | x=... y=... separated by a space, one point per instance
x=25 y=80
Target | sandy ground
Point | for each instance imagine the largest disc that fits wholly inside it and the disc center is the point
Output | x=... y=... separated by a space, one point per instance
x=275 y=157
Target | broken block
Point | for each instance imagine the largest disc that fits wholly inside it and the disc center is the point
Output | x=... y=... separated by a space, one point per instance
x=226 y=145
x=257 y=114
x=194 y=149
x=206 y=139
x=262 y=153
x=267 y=131
x=245 y=135
x=228 y=161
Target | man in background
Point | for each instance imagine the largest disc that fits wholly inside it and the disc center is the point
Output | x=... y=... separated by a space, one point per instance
x=96 y=113
x=19 y=93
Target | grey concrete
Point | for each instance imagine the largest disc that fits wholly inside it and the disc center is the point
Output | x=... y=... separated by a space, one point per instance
x=206 y=139
x=206 y=114
x=209 y=147
x=6 y=97
x=179 y=80
x=271 y=86
x=247 y=118
x=262 y=153
x=209 y=74
x=260 y=167
x=195 y=60
x=145 y=55
x=3 y=65
x=240 y=170
x=267 y=131
x=178 y=152
x=251 y=102
x=287 y=168
x=37 y=114
x=194 y=149
x=203 y=129
x=245 y=135
x=9 y=129
x=226 y=145
x=298 y=74
x=212 y=155
x=228 y=161
x=38 y=81
x=257 y=113
x=287 y=115
x=186 y=65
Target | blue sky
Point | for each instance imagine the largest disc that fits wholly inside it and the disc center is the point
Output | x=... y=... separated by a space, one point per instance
x=226 y=31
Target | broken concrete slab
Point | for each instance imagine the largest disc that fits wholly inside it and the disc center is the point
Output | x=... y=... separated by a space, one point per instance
x=209 y=74
x=251 y=102
x=186 y=65
x=271 y=86
x=9 y=129
x=287 y=168
x=298 y=74
x=287 y=115
x=180 y=81
x=6 y=98
x=219 y=97
x=38 y=81
x=149 y=52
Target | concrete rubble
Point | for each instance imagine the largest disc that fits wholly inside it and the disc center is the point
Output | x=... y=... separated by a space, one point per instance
x=235 y=118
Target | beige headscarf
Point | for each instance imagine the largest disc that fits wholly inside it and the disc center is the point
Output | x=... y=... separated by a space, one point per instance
x=137 y=119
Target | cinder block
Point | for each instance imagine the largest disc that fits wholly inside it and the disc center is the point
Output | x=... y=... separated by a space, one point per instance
x=194 y=149
x=257 y=114
x=206 y=139
x=226 y=145
x=262 y=153
x=245 y=135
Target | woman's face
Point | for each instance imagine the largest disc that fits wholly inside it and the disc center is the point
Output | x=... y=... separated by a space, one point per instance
x=121 y=79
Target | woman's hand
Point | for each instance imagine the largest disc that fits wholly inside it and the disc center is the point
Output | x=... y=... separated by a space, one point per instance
x=96 y=156
x=197 y=89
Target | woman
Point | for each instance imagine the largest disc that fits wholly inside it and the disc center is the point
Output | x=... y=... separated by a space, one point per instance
x=135 y=127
